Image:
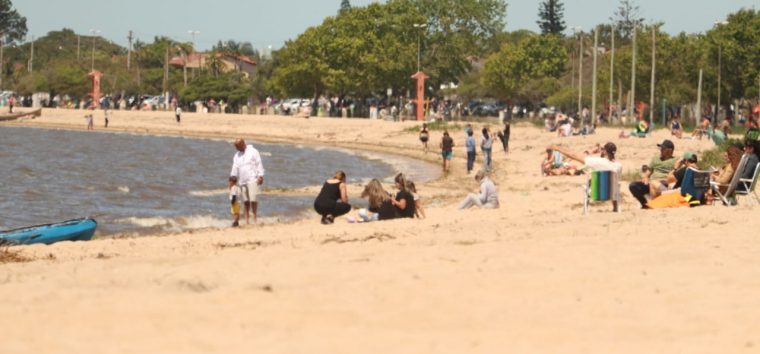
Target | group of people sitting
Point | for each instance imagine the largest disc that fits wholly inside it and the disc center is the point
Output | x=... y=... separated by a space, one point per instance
x=564 y=125
x=332 y=200
x=666 y=173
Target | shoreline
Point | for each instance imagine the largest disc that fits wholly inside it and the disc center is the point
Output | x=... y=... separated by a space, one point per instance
x=399 y=163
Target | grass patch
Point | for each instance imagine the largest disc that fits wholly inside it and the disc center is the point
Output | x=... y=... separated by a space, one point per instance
x=435 y=126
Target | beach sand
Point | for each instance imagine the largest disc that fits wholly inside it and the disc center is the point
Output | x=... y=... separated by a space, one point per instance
x=532 y=276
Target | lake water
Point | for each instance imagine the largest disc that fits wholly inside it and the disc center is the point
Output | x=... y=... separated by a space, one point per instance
x=146 y=184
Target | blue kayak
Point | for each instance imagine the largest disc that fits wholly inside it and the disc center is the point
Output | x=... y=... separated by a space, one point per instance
x=71 y=230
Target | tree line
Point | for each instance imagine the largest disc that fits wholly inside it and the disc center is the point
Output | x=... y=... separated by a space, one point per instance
x=364 y=51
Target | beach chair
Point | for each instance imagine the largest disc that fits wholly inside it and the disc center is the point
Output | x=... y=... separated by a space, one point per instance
x=729 y=197
x=695 y=183
x=749 y=186
x=601 y=186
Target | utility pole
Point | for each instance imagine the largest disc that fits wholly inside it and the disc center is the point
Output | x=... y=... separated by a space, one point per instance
x=31 y=57
x=632 y=99
x=166 y=71
x=195 y=49
x=717 y=109
x=129 y=50
x=2 y=62
x=92 y=57
x=79 y=42
x=699 y=99
x=580 y=75
x=612 y=71
x=593 y=79
x=654 y=63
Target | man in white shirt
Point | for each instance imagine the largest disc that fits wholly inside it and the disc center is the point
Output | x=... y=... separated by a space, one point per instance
x=605 y=162
x=247 y=167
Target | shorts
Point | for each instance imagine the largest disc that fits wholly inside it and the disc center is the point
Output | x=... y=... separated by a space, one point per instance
x=249 y=192
x=424 y=139
x=447 y=155
x=235 y=208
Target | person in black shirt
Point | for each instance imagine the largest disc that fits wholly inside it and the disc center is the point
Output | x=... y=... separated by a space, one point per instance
x=332 y=200
x=404 y=201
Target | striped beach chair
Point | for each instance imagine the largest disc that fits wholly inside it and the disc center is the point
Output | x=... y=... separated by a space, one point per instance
x=601 y=186
x=749 y=185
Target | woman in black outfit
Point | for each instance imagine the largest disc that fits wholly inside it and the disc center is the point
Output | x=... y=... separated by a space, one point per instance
x=404 y=201
x=504 y=137
x=332 y=200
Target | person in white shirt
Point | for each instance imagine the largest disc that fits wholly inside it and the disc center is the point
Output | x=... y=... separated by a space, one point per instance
x=178 y=113
x=605 y=162
x=247 y=167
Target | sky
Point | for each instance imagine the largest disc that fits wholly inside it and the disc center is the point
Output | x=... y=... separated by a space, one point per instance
x=267 y=23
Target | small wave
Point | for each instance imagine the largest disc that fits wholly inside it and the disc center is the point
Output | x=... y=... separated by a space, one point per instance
x=177 y=224
x=123 y=189
x=267 y=154
x=209 y=193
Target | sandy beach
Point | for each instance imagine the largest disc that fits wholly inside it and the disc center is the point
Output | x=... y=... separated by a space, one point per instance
x=533 y=276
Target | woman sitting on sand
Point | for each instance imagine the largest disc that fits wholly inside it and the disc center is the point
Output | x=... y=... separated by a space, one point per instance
x=332 y=200
x=642 y=128
x=379 y=206
x=404 y=201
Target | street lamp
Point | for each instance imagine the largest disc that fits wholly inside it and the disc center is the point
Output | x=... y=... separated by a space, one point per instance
x=193 y=33
x=720 y=50
x=420 y=26
x=579 y=30
x=94 y=32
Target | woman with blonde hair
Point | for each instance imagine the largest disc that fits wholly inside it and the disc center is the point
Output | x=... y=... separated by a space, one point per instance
x=332 y=200
x=380 y=207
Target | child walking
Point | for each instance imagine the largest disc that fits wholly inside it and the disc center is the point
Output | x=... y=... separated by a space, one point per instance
x=234 y=201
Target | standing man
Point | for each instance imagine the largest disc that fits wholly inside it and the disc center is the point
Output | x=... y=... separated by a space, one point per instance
x=178 y=113
x=247 y=167
x=11 y=102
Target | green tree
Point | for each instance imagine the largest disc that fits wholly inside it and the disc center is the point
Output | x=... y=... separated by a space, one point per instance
x=533 y=59
x=626 y=18
x=345 y=5
x=12 y=24
x=551 y=17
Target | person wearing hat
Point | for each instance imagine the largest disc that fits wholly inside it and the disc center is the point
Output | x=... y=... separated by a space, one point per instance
x=605 y=162
x=488 y=197
x=658 y=170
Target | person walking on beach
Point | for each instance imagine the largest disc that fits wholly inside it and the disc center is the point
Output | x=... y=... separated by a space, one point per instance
x=469 y=144
x=11 y=103
x=178 y=113
x=105 y=115
x=90 y=123
x=424 y=136
x=486 y=145
x=447 y=150
x=332 y=200
x=504 y=137
x=247 y=167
